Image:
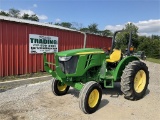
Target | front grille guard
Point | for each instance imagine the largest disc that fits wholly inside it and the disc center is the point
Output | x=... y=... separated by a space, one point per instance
x=57 y=73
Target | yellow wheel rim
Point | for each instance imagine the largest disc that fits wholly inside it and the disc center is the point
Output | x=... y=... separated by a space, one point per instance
x=61 y=87
x=140 y=81
x=93 y=98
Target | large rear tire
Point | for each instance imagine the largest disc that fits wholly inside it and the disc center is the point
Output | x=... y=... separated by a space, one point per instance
x=90 y=97
x=135 y=80
x=59 y=88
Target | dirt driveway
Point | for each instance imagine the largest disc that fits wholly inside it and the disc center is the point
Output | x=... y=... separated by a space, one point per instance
x=36 y=102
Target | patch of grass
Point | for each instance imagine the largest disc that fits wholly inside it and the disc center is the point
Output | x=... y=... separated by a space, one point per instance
x=153 y=60
x=29 y=75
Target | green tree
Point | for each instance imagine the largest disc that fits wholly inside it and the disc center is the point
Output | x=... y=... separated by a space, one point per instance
x=93 y=28
x=65 y=24
x=14 y=12
x=122 y=38
x=84 y=30
x=4 y=13
x=76 y=26
x=25 y=16
x=55 y=23
x=131 y=27
x=105 y=33
x=150 y=46
x=34 y=17
x=155 y=37
x=73 y=25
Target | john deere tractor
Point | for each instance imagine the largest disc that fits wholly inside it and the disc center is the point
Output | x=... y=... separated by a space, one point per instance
x=89 y=69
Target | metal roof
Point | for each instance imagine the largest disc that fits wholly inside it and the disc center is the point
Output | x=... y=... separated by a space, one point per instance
x=34 y=23
x=42 y=24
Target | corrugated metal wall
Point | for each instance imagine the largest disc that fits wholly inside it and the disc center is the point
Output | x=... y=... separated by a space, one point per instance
x=14 y=46
x=94 y=41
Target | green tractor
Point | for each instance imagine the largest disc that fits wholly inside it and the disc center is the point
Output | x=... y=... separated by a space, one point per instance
x=89 y=70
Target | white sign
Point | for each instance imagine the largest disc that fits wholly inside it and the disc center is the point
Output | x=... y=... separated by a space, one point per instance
x=42 y=43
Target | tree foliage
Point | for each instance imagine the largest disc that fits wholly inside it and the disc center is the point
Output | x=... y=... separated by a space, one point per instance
x=150 y=46
x=4 y=13
x=84 y=30
x=65 y=24
x=122 y=38
x=92 y=28
x=131 y=27
x=25 y=16
x=105 y=33
x=34 y=17
x=16 y=14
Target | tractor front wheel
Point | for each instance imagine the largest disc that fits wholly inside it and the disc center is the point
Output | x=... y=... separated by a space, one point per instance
x=135 y=80
x=90 y=97
x=59 y=88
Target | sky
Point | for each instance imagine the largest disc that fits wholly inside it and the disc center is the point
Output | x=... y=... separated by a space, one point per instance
x=108 y=14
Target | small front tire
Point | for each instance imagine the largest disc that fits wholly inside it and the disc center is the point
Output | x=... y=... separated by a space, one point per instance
x=59 y=88
x=90 y=97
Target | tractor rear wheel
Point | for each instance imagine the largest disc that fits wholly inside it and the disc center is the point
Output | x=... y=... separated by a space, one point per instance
x=59 y=88
x=135 y=80
x=90 y=97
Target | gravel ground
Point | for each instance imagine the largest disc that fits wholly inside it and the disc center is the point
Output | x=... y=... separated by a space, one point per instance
x=36 y=102
x=16 y=83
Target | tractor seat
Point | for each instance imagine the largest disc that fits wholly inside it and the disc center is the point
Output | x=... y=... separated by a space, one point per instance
x=115 y=56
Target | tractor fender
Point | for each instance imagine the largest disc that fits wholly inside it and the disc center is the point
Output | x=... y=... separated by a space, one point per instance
x=121 y=66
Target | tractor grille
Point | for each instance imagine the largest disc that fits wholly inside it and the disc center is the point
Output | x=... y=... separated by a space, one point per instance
x=69 y=67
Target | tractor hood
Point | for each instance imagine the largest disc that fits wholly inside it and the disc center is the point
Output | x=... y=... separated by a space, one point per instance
x=83 y=51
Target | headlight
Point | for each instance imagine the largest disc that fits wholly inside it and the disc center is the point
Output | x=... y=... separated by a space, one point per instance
x=64 y=58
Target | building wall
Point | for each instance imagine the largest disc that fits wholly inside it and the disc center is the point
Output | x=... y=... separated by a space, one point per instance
x=14 y=46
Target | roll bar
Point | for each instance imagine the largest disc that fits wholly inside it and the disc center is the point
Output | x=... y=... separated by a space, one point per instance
x=129 y=43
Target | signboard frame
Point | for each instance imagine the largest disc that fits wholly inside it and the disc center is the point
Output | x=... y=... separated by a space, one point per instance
x=42 y=43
